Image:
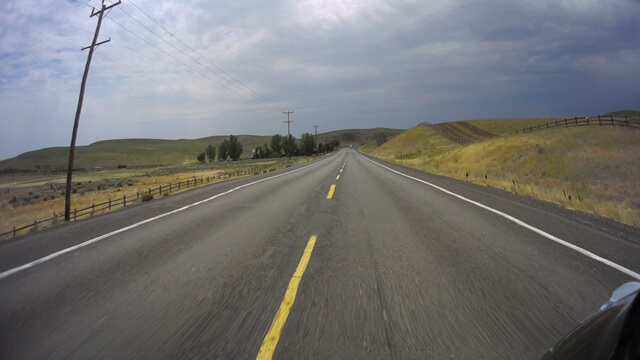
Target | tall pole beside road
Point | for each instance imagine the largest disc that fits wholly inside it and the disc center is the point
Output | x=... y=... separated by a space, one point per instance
x=72 y=148
x=317 y=150
x=288 y=131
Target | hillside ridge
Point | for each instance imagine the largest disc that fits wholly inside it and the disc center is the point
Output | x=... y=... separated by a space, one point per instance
x=142 y=152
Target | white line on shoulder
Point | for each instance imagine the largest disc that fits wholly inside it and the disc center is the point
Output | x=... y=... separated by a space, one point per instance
x=102 y=237
x=521 y=223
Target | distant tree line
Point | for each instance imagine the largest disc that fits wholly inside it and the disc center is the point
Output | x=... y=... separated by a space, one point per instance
x=229 y=148
x=281 y=146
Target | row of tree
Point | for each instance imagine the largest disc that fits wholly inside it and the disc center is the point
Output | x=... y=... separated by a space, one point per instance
x=281 y=146
x=229 y=148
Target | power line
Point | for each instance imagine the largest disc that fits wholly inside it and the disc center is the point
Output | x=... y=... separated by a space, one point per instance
x=85 y=4
x=181 y=62
x=247 y=93
x=168 y=43
x=197 y=53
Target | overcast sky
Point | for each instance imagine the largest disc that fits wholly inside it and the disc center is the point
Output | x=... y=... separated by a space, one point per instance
x=233 y=66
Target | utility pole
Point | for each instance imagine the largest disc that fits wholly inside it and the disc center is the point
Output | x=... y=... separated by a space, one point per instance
x=72 y=148
x=288 y=131
x=317 y=150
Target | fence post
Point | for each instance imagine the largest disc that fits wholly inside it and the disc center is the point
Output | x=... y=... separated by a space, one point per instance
x=124 y=199
x=170 y=187
x=565 y=122
x=160 y=190
x=109 y=204
x=93 y=208
x=14 y=231
x=149 y=191
x=599 y=120
x=611 y=117
x=75 y=214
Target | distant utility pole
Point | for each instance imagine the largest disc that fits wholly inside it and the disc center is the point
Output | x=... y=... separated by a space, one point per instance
x=72 y=148
x=288 y=131
x=317 y=150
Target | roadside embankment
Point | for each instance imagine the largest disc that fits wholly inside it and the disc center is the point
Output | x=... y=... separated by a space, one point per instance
x=591 y=169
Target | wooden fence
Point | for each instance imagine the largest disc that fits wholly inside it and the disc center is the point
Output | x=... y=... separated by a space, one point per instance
x=126 y=200
x=583 y=121
x=447 y=136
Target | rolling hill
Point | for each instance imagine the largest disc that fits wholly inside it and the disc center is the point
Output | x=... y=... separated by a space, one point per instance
x=588 y=168
x=155 y=152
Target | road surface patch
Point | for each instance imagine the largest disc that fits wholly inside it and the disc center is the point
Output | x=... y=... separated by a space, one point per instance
x=582 y=251
x=275 y=330
x=132 y=226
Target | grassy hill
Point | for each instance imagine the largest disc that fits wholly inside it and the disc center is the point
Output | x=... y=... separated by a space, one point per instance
x=358 y=136
x=129 y=152
x=155 y=152
x=623 y=113
x=593 y=169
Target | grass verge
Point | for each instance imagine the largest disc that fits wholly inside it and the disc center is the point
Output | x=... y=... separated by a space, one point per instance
x=591 y=169
x=28 y=197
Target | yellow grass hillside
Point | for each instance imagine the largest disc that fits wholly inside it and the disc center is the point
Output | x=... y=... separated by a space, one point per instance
x=592 y=169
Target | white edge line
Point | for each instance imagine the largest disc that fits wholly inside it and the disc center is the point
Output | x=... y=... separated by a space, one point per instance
x=102 y=237
x=521 y=223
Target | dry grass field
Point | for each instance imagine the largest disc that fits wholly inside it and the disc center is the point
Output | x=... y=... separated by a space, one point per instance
x=25 y=197
x=592 y=169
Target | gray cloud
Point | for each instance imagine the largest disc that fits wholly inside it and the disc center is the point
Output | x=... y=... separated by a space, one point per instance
x=339 y=63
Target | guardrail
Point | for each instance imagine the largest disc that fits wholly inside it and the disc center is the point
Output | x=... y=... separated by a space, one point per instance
x=125 y=200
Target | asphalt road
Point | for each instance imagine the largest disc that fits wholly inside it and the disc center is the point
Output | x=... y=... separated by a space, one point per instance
x=400 y=270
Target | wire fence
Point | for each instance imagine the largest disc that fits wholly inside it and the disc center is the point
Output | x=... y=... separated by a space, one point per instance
x=127 y=200
x=599 y=120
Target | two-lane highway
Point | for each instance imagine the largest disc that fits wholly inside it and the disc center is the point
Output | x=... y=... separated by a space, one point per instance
x=341 y=258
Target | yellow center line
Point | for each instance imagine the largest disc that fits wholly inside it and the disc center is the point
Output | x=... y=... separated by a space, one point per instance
x=331 y=191
x=337 y=177
x=341 y=170
x=273 y=335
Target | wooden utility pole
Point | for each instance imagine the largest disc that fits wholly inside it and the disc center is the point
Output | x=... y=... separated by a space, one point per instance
x=317 y=150
x=74 y=134
x=288 y=131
